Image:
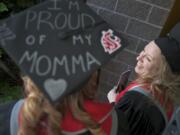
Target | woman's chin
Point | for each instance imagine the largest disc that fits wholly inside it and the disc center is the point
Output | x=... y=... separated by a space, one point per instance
x=137 y=70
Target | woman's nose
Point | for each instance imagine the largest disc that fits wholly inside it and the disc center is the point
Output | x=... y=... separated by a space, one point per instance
x=140 y=56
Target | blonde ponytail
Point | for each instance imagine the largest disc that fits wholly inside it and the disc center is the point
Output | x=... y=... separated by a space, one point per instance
x=34 y=109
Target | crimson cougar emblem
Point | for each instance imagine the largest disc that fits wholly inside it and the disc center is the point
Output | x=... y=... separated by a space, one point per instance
x=110 y=42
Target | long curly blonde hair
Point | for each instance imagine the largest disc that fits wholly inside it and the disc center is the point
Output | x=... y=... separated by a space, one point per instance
x=36 y=107
x=164 y=83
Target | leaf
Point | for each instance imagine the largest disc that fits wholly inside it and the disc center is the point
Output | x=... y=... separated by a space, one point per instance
x=3 y=7
x=9 y=93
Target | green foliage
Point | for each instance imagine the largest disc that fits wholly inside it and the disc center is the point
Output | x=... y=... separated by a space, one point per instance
x=3 y=7
x=9 y=93
x=12 y=6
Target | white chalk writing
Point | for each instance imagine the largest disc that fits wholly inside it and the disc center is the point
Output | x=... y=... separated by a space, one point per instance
x=60 y=21
x=50 y=65
x=31 y=39
x=73 y=3
x=82 y=40
x=55 y=5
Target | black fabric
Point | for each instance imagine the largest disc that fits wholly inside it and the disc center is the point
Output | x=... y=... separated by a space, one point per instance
x=175 y=32
x=143 y=116
x=123 y=126
x=5 y=114
x=170 y=48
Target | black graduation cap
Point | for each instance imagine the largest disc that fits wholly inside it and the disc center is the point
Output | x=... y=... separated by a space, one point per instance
x=59 y=44
x=170 y=47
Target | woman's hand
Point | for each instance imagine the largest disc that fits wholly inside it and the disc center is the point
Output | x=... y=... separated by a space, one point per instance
x=112 y=94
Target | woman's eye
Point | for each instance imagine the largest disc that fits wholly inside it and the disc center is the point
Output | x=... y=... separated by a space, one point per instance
x=148 y=59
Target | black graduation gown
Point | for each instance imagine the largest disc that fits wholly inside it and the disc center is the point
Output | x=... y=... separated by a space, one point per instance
x=144 y=116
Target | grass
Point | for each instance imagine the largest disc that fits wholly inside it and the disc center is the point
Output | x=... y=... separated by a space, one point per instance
x=9 y=93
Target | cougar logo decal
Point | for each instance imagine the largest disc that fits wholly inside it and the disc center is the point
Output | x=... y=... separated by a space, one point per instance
x=110 y=42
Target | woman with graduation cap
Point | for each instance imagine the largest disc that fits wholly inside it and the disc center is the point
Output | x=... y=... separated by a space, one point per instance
x=57 y=66
x=148 y=101
x=77 y=113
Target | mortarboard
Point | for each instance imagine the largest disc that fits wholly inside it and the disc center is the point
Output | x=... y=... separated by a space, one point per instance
x=59 y=44
x=170 y=47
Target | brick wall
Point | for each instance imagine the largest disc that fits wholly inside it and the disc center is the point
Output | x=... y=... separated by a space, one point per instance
x=138 y=22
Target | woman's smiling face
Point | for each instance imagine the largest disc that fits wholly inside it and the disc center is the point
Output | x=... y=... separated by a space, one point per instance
x=148 y=60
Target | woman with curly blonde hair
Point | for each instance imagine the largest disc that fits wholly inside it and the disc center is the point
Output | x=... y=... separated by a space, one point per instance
x=38 y=112
x=148 y=101
x=79 y=113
